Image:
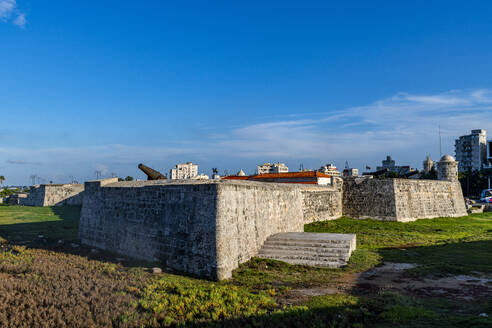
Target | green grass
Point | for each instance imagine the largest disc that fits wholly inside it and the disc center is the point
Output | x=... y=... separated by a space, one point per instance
x=48 y=278
x=441 y=246
x=25 y=224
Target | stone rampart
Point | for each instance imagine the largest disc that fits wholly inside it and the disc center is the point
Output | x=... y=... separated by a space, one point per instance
x=321 y=203
x=401 y=199
x=422 y=199
x=207 y=228
x=54 y=195
x=204 y=228
x=248 y=213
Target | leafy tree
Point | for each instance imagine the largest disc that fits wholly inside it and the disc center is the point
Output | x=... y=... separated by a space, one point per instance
x=473 y=182
x=129 y=178
x=2 y=179
x=432 y=175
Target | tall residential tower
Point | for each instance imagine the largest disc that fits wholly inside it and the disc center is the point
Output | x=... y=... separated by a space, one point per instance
x=471 y=151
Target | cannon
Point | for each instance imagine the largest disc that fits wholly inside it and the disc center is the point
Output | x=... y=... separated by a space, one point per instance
x=151 y=173
x=409 y=174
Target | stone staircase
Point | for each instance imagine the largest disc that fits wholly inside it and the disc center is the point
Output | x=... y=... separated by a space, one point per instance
x=328 y=250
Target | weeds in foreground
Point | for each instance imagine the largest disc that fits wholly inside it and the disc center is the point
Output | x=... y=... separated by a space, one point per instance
x=44 y=288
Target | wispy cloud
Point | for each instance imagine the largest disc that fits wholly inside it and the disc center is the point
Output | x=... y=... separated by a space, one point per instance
x=7 y=8
x=9 y=11
x=21 y=162
x=20 y=20
x=404 y=126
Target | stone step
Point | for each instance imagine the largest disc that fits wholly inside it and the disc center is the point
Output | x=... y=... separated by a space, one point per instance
x=294 y=243
x=312 y=249
x=282 y=257
x=300 y=253
x=308 y=250
x=314 y=236
x=319 y=264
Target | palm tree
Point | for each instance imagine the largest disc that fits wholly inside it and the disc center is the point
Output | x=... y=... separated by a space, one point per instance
x=2 y=179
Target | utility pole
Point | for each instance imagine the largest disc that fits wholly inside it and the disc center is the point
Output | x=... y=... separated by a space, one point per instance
x=440 y=142
x=97 y=173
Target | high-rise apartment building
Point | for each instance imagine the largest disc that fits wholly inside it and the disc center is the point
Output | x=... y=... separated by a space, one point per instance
x=471 y=151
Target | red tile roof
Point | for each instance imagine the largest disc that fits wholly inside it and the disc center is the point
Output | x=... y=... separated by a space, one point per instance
x=288 y=175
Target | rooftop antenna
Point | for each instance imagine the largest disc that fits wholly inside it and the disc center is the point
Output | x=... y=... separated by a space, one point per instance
x=440 y=142
x=346 y=165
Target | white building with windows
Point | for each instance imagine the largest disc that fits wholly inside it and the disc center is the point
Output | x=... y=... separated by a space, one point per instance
x=330 y=169
x=269 y=168
x=184 y=171
x=471 y=151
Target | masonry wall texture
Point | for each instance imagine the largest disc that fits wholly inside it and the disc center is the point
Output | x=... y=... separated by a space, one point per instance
x=402 y=199
x=322 y=203
x=428 y=199
x=55 y=195
x=205 y=228
x=247 y=214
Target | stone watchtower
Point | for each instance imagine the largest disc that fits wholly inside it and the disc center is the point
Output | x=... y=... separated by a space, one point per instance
x=447 y=169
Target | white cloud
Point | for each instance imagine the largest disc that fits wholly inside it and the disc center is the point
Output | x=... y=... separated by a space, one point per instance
x=9 y=12
x=404 y=126
x=7 y=8
x=20 y=20
x=21 y=162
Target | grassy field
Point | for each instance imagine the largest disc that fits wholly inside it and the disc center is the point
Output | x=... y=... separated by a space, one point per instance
x=48 y=280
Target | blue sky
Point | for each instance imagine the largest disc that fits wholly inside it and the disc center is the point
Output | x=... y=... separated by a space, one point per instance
x=105 y=85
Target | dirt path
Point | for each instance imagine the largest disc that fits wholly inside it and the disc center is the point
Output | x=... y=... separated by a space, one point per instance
x=391 y=276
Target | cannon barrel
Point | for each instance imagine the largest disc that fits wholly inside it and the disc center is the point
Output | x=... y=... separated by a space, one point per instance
x=409 y=174
x=151 y=173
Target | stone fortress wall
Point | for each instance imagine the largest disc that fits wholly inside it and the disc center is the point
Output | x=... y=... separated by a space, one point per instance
x=207 y=228
x=54 y=195
x=401 y=199
x=321 y=203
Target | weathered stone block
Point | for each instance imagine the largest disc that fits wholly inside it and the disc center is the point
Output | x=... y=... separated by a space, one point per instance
x=54 y=195
x=402 y=199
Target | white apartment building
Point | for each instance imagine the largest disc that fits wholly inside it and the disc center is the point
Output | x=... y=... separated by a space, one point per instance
x=184 y=171
x=269 y=168
x=330 y=169
x=471 y=151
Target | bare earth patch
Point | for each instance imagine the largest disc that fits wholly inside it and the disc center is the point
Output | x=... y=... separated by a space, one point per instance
x=391 y=276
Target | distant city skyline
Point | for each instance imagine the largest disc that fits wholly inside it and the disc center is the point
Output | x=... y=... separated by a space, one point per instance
x=104 y=85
